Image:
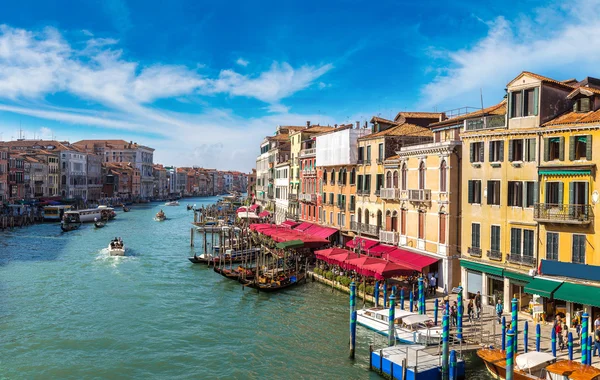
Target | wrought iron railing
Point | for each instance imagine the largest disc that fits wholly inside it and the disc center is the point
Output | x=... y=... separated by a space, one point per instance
x=474 y=251
x=493 y=254
x=364 y=228
x=563 y=213
x=521 y=259
x=308 y=152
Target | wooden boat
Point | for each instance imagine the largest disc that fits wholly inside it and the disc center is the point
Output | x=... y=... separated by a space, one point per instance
x=160 y=216
x=99 y=224
x=235 y=274
x=410 y=328
x=189 y=207
x=572 y=370
x=126 y=209
x=70 y=221
x=528 y=366
x=116 y=248
x=228 y=258
x=265 y=284
x=172 y=203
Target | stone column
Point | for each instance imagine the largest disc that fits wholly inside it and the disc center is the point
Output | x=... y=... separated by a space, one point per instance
x=484 y=288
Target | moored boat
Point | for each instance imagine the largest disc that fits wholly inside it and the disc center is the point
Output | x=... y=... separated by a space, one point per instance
x=275 y=283
x=126 y=209
x=160 y=216
x=70 y=221
x=116 y=247
x=172 y=203
x=55 y=213
x=566 y=369
x=528 y=366
x=410 y=328
x=99 y=223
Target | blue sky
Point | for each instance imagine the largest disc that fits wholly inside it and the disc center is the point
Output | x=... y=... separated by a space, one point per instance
x=204 y=82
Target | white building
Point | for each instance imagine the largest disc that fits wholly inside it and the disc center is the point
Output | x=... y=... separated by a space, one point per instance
x=282 y=186
x=73 y=168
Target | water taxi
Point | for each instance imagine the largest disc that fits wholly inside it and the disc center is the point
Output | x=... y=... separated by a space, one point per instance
x=55 y=213
x=411 y=328
x=70 y=221
x=160 y=216
x=116 y=247
x=90 y=215
x=172 y=203
x=528 y=366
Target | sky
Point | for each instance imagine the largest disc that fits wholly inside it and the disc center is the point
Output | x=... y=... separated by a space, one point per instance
x=204 y=82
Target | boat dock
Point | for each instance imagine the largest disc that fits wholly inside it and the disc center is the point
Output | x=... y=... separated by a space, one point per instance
x=412 y=362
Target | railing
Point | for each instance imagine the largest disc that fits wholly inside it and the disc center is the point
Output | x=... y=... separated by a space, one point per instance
x=380 y=161
x=293 y=197
x=519 y=259
x=474 y=251
x=341 y=205
x=486 y=122
x=419 y=195
x=376 y=193
x=492 y=254
x=389 y=237
x=363 y=192
x=360 y=162
x=309 y=172
x=364 y=228
x=291 y=216
x=563 y=213
x=308 y=152
x=270 y=196
x=352 y=207
x=307 y=197
x=389 y=193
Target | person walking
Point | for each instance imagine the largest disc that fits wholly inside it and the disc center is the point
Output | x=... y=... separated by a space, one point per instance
x=454 y=313
x=559 y=335
x=471 y=311
x=596 y=341
x=433 y=284
x=499 y=311
x=478 y=304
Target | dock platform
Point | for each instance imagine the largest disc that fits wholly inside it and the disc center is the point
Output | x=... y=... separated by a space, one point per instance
x=410 y=362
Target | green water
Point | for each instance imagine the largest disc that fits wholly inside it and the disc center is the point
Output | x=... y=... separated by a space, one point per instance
x=70 y=311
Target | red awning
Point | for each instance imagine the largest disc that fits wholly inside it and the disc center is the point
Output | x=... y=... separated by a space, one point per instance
x=358 y=264
x=264 y=214
x=281 y=234
x=289 y=224
x=413 y=260
x=380 y=249
x=325 y=254
x=319 y=231
x=387 y=269
x=303 y=226
x=365 y=244
x=242 y=209
x=340 y=258
x=254 y=207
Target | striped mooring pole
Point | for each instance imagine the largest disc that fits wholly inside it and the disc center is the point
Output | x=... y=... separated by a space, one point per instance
x=436 y=306
x=376 y=293
x=510 y=355
x=402 y=298
x=584 y=338
x=445 y=346
x=453 y=364
x=503 y=333
x=553 y=342
x=410 y=301
x=385 y=295
x=420 y=297
x=526 y=336
x=352 y=319
x=459 y=316
x=514 y=323
x=391 y=317
x=570 y=346
x=537 y=337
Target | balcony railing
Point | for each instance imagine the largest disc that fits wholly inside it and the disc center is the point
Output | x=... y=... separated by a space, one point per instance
x=270 y=195
x=309 y=172
x=519 y=259
x=307 y=197
x=474 y=251
x=363 y=192
x=419 y=195
x=365 y=228
x=486 y=122
x=389 y=193
x=389 y=237
x=341 y=205
x=492 y=254
x=293 y=197
x=308 y=152
x=291 y=216
x=563 y=213
x=352 y=207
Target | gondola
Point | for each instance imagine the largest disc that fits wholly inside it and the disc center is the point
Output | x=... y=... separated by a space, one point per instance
x=125 y=209
x=234 y=274
x=70 y=222
x=189 y=207
x=99 y=224
x=66 y=227
x=274 y=286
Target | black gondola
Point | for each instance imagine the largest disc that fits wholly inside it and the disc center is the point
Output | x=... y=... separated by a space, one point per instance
x=275 y=285
x=99 y=224
x=70 y=221
x=125 y=209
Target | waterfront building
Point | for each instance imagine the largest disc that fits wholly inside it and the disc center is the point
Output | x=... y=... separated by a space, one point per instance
x=387 y=137
x=4 y=168
x=282 y=188
x=181 y=178
x=125 y=179
x=171 y=179
x=16 y=177
x=94 y=177
x=161 y=186
x=52 y=179
x=251 y=184
x=73 y=168
x=38 y=176
x=335 y=182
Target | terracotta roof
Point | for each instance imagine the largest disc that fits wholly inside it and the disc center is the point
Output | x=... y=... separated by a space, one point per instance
x=291 y=127
x=317 y=129
x=419 y=115
x=542 y=78
x=31 y=143
x=498 y=109
x=392 y=158
x=405 y=129
x=376 y=119
x=588 y=91
x=279 y=137
x=574 y=118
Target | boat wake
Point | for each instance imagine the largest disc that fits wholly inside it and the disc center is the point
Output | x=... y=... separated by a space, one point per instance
x=114 y=261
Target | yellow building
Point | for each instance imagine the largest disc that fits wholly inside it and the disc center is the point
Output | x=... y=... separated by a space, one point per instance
x=530 y=195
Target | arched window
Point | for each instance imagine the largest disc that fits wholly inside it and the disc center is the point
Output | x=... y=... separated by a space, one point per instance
x=388 y=220
x=379 y=219
x=332 y=176
x=388 y=180
x=404 y=177
x=394 y=221
x=367 y=216
x=64 y=179
x=324 y=176
x=344 y=176
x=403 y=222
x=353 y=176
x=443 y=184
x=422 y=175
x=442 y=238
x=395 y=179
x=359 y=215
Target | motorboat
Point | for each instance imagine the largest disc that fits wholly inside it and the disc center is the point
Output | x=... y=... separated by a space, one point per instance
x=126 y=209
x=70 y=221
x=99 y=223
x=89 y=215
x=55 y=213
x=189 y=207
x=172 y=203
x=528 y=366
x=160 y=216
x=569 y=369
x=116 y=248
x=410 y=328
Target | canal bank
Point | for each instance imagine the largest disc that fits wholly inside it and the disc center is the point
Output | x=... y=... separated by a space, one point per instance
x=68 y=310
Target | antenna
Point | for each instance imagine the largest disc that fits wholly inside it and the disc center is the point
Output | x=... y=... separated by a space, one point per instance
x=481 y=95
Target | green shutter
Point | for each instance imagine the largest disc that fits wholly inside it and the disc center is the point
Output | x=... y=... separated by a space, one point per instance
x=561 y=148
x=472 y=152
x=490 y=151
x=481 y=151
x=513 y=237
x=510 y=111
x=586 y=187
x=536 y=102
x=470 y=197
x=561 y=187
x=588 y=148
x=571 y=193
x=546 y=149
x=532 y=151
x=510 y=150
x=501 y=151
x=489 y=192
x=536 y=192
x=572 y=141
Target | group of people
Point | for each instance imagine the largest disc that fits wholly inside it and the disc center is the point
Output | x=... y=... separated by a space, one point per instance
x=116 y=243
x=562 y=333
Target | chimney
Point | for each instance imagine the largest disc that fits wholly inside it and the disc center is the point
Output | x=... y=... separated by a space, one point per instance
x=357 y=124
x=366 y=125
x=335 y=126
x=308 y=123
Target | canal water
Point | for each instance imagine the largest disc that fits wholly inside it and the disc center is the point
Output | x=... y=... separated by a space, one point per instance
x=70 y=311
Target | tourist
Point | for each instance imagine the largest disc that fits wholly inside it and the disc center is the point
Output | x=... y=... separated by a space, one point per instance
x=499 y=310
x=559 y=335
x=454 y=313
x=425 y=285
x=478 y=304
x=433 y=285
x=596 y=341
x=471 y=311
x=597 y=322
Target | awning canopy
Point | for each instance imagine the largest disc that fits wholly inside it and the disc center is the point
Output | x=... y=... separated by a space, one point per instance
x=517 y=276
x=482 y=267
x=303 y=226
x=247 y=215
x=290 y=244
x=563 y=269
x=264 y=214
x=319 y=231
x=578 y=293
x=543 y=287
x=565 y=172
x=325 y=254
x=254 y=207
x=241 y=209
x=412 y=260
x=387 y=269
x=289 y=223
x=281 y=234
x=341 y=257
x=364 y=244
x=380 y=249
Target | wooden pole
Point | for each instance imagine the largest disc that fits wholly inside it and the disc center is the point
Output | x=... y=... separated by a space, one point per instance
x=192 y=237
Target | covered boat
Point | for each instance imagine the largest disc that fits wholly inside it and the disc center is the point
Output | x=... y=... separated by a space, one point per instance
x=172 y=203
x=116 y=247
x=528 y=366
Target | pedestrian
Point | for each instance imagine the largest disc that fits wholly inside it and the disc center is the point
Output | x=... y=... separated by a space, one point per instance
x=596 y=341
x=559 y=335
x=433 y=285
x=470 y=310
x=597 y=322
x=499 y=311
x=478 y=304
x=425 y=285
x=454 y=313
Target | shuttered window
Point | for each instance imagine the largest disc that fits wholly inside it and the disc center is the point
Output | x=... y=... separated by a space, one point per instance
x=515 y=241
x=475 y=235
x=580 y=147
x=493 y=192
x=496 y=151
x=515 y=193
x=474 y=191
x=515 y=150
x=530 y=150
x=421 y=225
x=554 y=148
x=579 y=249
x=552 y=246
x=531 y=193
x=443 y=175
x=528 y=243
x=353 y=176
x=476 y=151
x=403 y=222
x=495 y=238
x=442 y=228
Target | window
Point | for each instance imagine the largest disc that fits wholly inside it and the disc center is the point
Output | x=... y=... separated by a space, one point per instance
x=515 y=241
x=395 y=179
x=529 y=104
x=528 y=243
x=582 y=105
x=368 y=183
x=579 y=249
x=380 y=158
x=388 y=180
x=442 y=238
x=554 y=193
x=580 y=147
x=495 y=238
x=476 y=151
x=523 y=103
x=515 y=193
x=443 y=186
x=493 y=192
x=515 y=150
x=517 y=104
x=421 y=225
x=379 y=182
x=422 y=175
x=554 y=148
x=475 y=235
x=332 y=176
x=369 y=153
x=552 y=246
x=324 y=176
x=404 y=177
x=531 y=191
x=474 y=191
x=353 y=177
x=359 y=184
x=361 y=154
x=403 y=222
x=331 y=198
x=496 y=151
x=529 y=150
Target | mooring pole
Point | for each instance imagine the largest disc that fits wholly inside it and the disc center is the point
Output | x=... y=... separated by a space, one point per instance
x=510 y=355
x=352 y=319
x=391 y=317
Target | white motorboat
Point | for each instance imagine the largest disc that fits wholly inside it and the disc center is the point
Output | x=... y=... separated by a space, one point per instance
x=116 y=248
x=160 y=216
x=410 y=327
x=172 y=203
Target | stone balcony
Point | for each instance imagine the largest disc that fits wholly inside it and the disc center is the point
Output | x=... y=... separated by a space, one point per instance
x=389 y=193
x=389 y=237
x=365 y=228
x=307 y=197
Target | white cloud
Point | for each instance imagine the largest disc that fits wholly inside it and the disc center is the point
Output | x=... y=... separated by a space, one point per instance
x=323 y=85
x=242 y=62
x=277 y=108
x=545 y=41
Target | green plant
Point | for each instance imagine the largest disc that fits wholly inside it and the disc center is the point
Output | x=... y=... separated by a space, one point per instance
x=318 y=271
x=329 y=275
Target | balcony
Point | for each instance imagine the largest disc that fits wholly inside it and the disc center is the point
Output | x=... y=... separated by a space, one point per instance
x=270 y=195
x=291 y=216
x=486 y=122
x=365 y=228
x=530 y=261
x=309 y=172
x=474 y=251
x=389 y=193
x=308 y=152
x=492 y=254
x=311 y=198
x=419 y=195
x=293 y=197
x=563 y=213
x=389 y=237
x=363 y=192
x=341 y=206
